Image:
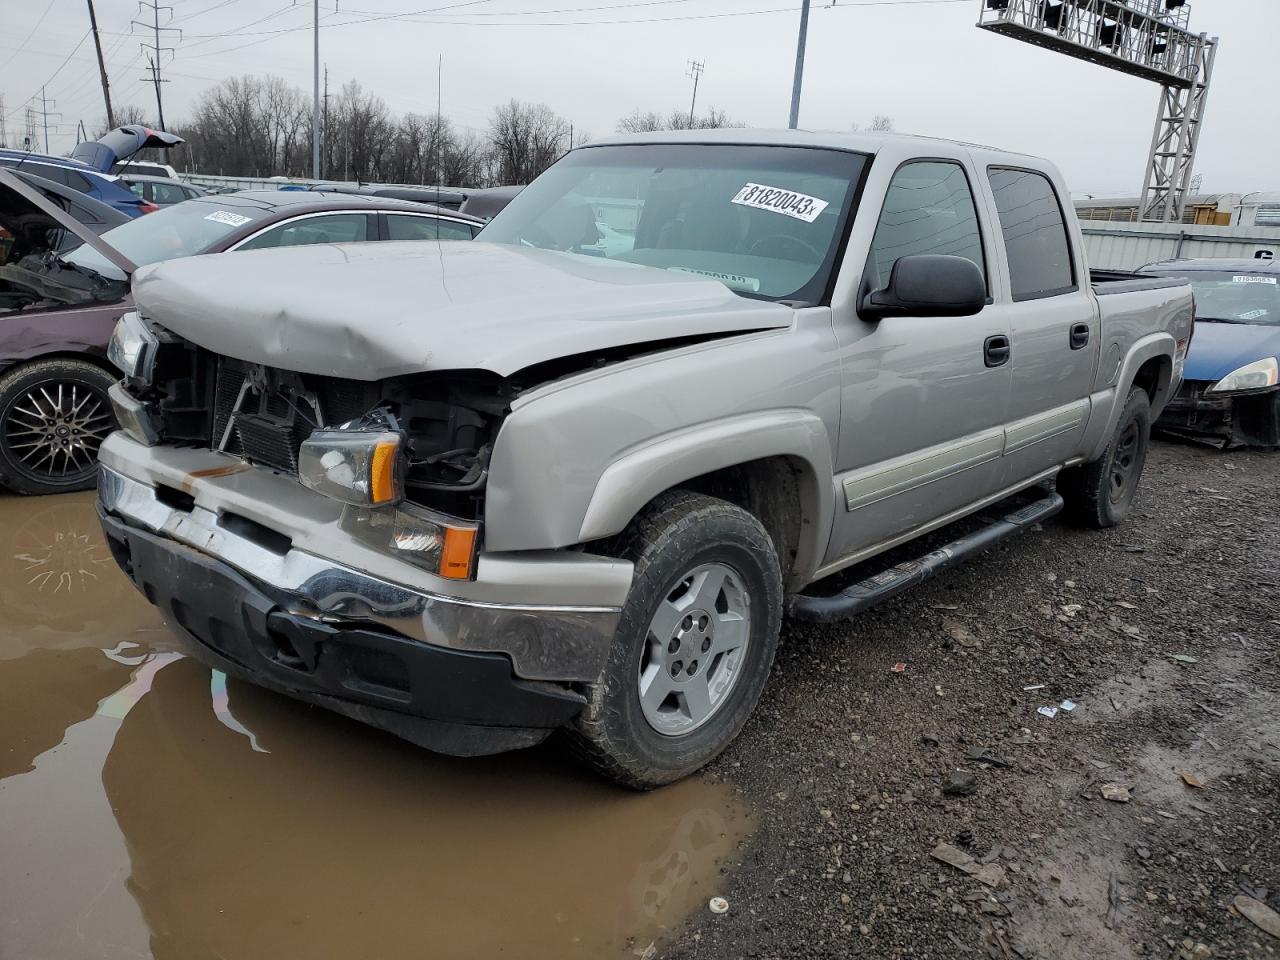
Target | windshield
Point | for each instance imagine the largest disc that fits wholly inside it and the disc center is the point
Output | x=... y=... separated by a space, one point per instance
x=1236 y=297
x=177 y=231
x=765 y=221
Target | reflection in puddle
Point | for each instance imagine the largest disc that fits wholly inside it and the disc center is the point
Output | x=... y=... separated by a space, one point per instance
x=172 y=814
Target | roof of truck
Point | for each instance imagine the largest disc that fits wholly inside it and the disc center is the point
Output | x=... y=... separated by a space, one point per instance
x=834 y=139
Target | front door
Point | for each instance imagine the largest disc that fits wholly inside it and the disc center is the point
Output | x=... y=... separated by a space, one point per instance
x=924 y=399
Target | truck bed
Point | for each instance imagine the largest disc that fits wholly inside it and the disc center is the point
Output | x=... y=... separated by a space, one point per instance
x=1106 y=282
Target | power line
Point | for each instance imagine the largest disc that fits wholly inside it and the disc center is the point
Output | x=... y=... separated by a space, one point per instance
x=57 y=71
x=29 y=35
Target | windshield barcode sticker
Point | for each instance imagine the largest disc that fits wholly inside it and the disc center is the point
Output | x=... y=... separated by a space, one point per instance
x=1270 y=280
x=731 y=280
x=797 y=205
x=231 y=219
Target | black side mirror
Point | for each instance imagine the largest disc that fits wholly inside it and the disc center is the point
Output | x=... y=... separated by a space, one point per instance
x=928 y=285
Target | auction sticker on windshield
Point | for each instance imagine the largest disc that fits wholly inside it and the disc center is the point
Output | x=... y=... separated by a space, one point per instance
x=230 y=219
x=800 y=206
x=1246 y=279
x=732 y=280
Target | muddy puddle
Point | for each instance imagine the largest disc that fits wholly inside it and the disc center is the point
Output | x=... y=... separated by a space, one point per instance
x=150 y=808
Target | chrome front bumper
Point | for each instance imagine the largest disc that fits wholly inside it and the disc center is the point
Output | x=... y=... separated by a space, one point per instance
x=545 y=640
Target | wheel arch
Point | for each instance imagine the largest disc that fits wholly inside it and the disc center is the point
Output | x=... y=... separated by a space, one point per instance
x=776 y=465
x=1149 y=365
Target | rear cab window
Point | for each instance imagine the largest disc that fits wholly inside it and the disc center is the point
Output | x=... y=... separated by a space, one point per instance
x=1035 y=235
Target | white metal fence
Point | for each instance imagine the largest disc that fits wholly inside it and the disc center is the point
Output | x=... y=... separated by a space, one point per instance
x=1127 y=246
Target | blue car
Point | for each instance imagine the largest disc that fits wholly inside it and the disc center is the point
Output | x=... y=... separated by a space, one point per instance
x=1231 y=386
x=88 y=169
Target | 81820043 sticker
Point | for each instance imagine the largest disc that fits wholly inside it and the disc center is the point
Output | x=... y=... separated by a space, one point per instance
x=799 y=206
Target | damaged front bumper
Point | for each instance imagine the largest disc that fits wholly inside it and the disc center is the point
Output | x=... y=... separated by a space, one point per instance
x=244 y=563
x=1251 y=419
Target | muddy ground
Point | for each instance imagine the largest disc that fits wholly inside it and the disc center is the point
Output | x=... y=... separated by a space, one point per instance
x=151 y=808
x=1166 y=634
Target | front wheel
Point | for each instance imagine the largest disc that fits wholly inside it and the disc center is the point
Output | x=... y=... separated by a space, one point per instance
x=1100 y=494
x=54 y=414
x=694 y=644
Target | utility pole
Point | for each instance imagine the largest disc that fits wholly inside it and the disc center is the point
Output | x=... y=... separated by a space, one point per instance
x=4 y=140
x=695 y=70
x=324 y=123
x=44 y=112
x=315 y=92
x=439 y=127
x=102 y=66
x=799 y=77
x=157 y=51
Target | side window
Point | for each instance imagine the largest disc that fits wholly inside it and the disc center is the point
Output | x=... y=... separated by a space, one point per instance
x=78 y=181
x=405 y=227
x=337 y=228
x=50 y=172
x=1035 y=234
x=408 y=227
x=168 y=193
x=928 y=208
x=139 y=188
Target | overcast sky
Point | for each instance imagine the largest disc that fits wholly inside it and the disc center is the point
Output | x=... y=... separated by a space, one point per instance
x=923 y=63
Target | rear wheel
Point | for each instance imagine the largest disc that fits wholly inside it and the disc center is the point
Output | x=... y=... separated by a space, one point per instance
x=1100 y=494
x=54 y=415
x=694 y=644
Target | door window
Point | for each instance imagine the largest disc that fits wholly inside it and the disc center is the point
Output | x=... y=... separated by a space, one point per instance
x=410 y=227
x=1035 y=234
x=928 y=209
x=167 y=193
x=337 y=228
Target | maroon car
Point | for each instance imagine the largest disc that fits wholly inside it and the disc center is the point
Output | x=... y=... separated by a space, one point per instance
x=57 y=311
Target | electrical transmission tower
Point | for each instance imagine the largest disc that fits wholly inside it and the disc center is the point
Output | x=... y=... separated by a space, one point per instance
x=30 y=118
x=4 y=137
x=695 y=71
x=1150 y=39
x=157 y=51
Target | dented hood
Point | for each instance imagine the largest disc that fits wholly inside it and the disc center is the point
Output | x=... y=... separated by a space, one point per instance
x=377 y=310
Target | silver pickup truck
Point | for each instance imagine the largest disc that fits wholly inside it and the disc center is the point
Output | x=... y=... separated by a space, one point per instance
x=572 y=475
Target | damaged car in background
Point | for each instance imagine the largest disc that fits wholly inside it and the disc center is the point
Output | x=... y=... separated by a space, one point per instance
x=1231 y=394
x=62 y=289
x=570 y=479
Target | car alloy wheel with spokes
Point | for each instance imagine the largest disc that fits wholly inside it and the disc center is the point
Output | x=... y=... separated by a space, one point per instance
x=695 y=649
x=54 y=415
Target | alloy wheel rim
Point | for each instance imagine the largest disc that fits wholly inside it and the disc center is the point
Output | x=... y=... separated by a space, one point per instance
x=53 y=430
x=694 y=649
x=1124 y=462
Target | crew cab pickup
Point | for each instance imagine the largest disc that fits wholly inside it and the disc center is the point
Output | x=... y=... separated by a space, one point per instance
x=571 y=476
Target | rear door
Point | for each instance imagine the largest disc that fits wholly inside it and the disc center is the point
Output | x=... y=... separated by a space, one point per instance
x=924 y=399
x=1053 y=321
x=337 y=227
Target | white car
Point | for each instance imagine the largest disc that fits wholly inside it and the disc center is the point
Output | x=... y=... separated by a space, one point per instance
x=144 y=168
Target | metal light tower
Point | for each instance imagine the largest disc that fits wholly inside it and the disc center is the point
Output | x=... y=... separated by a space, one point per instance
x=1150 y=39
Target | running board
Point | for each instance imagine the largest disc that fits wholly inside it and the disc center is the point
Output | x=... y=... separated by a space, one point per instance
x=889 y=583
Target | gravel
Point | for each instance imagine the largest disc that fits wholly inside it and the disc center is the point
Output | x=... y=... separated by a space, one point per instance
x=1165 y=632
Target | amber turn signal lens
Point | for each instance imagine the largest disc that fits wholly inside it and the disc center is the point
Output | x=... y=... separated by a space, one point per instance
x=458 y=553
x=382 y=480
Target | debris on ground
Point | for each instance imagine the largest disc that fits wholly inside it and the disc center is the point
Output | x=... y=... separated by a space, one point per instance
x=1191 y=780
x=898 y=668
x=1184 y=658
x=1116 y=792
x=960 y=784
x=1258 y=913
x=1034 y=687
x=1067 y=705
x=960 y=633
x=984 y=755
x=719 y=905
x=1049 y=712
x=992 y=874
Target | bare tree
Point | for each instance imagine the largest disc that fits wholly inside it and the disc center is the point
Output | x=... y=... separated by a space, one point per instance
x=644 y=122
x=526 y=139
x=881 y=124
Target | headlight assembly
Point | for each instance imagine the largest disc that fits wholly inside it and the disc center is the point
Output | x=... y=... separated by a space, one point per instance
x=445 y=546
x=133 y=348
x=358 y=466
x=1258 y=375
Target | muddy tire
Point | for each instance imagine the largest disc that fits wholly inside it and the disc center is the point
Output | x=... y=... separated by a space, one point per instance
x=1100 y=494
x=54 y=414
x=694 y=644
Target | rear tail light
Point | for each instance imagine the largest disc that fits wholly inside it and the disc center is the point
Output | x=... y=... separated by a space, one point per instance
x=146 y=206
